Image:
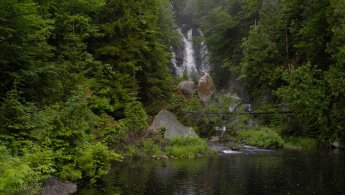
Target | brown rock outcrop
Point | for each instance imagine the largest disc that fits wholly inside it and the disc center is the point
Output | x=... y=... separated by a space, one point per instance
x=206 y=88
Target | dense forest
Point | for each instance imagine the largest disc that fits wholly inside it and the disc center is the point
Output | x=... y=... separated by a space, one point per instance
x=75 y=78
x=80 y=78
x=290 y=54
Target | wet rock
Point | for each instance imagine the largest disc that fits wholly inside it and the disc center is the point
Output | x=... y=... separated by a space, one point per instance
x=55 y=186
x=173 y=127
x=248 y=108
x=338 y=143
x=214 y=139
x=206 y=88
x=160 y=157
x=187 y=88
x=234 y=107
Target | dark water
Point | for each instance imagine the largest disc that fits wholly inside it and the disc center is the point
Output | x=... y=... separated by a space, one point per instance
x=278 y=172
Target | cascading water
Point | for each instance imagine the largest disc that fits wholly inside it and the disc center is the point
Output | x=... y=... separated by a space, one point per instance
x=189 y=58
x=173 y=61
x=205 y=63
x=189 y=64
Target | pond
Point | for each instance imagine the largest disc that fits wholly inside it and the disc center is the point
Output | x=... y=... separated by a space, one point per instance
x=268 y=172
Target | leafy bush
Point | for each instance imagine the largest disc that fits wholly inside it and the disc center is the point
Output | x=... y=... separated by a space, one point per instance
x=191 y=113
x=94 y=160
x=308 y=97
x=16 y=121
x=136 y=117
x=183 y=147
x=264 y=138
x=299 y=143
x=146 y=148
x=16 y=175
x=150 y=148
x=133 y=152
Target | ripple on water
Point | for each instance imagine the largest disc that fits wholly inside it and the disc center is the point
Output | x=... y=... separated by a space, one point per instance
x=272 y=172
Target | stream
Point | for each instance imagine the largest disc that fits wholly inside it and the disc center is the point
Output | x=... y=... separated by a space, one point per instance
x=262 y=172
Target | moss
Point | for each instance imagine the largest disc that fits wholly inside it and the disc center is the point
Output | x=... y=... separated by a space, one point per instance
x=183 y=147
x=264 y=138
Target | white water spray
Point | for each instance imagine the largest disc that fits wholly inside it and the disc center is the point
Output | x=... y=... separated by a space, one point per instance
x=204 y=54
x=189 y=58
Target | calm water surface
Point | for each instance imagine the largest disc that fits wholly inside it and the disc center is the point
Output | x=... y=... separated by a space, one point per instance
x=273 y=172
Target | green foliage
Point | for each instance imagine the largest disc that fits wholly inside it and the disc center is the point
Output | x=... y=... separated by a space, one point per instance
x=187 y=147
x=225 y=23
x=71 y=75
x=150 y=148
x=136 y=118
x=133 y=152
x=147 y=147
x=300 y=143
x=136 y=57
x=307 y=95
x=23 y=42
x=179 y=101
x=258 y=67
x=166 y=23
x=16 y=120
x=94 y=160
x=215 y=114
x=335 y=77
x=292 y=47
x=16 y=175
x=264 y=138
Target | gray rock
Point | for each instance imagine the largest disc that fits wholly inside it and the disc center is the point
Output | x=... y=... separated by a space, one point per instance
x=235 y=107
x=338 y=143
x=248 y=108
x=174 y=128
x=187 y=88
x=214 y=139
x=55 y=186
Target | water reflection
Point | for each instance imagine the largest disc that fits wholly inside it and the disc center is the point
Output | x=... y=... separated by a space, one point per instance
x=261 y=173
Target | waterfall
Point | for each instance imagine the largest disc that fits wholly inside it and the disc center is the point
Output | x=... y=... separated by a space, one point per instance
x=204 y=54
x=189 y=58
x=173 y=61
x=185 y=59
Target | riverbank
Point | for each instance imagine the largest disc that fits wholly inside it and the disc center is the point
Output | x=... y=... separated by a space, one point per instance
x=267 y=172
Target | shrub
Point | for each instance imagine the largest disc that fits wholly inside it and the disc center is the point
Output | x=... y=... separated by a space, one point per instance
x=264 y=138
x=183 y=147
x=133 y=152
x=94 y=160
x=300 y=143
x=136 y=117
x=146 y=147
x=150 y=148
x=16 y=175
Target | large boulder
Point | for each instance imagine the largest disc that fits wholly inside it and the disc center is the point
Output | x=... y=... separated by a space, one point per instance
x=187 y=88
x=55 y=186
x=173 y=127
x=206 y=88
